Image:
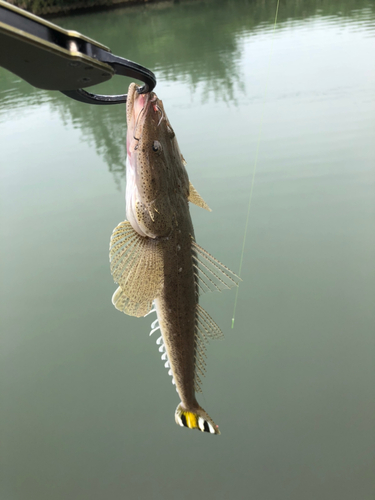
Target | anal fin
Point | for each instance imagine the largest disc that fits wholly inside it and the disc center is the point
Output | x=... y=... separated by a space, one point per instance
x=137 y=266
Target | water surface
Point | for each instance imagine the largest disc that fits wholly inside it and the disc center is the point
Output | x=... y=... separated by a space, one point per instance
x=87 y=407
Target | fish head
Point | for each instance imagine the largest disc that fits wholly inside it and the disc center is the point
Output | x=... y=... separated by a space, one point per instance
x=156 y=175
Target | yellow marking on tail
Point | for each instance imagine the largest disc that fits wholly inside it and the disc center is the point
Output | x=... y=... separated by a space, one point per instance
x=200 y=420
x=191 y=420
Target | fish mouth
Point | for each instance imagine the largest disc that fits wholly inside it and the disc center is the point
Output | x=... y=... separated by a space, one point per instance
x=139 y=103
x=138 y=107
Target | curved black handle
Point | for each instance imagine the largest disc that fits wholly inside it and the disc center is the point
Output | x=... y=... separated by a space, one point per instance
x=89 y=98
x=122 y=67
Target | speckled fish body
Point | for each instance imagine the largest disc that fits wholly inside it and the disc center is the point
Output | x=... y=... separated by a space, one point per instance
x=154 y=256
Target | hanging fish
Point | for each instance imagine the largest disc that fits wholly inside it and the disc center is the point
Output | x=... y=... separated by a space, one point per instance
x=154 y=256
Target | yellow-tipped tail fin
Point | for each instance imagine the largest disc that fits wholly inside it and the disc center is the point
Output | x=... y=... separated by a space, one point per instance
x=195 y=419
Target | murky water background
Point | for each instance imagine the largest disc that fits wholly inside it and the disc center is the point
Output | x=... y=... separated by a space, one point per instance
x=87 y=407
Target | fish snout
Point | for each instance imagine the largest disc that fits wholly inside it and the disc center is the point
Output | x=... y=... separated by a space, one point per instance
x=140 y=102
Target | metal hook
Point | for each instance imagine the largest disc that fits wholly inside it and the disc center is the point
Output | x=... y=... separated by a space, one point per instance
x=122 y=67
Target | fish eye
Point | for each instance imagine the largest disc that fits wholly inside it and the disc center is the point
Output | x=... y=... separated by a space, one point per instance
x=156 y=146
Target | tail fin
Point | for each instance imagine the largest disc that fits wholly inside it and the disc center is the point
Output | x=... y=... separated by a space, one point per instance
x=195 y=419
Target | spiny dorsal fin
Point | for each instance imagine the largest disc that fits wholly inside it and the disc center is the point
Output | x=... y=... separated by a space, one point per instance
x=211 y=274
x=137 y=266
x=205 y=329
x=194 y=197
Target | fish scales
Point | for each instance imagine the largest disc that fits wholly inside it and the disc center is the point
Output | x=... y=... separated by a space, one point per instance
x=176 y=308
x=154 y=256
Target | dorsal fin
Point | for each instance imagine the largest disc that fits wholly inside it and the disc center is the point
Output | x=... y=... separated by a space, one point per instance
x=210 y=273
x=137 y=266
x=194 y=197
x=205 y=329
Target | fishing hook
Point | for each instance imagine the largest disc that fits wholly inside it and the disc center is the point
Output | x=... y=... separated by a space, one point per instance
x=136 y=125
x=162 y=114
x=157 y=108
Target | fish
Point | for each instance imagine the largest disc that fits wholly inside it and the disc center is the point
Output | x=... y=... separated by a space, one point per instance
x=155 y=259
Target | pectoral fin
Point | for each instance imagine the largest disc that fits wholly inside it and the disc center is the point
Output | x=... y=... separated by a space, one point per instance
x=194 y=197
x=137 y=266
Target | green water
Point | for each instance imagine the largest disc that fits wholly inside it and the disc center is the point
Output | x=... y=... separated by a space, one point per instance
x=86 y=405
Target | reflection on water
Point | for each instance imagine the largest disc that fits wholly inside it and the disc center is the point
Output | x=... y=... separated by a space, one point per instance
x=200 y=44
x=87 y=410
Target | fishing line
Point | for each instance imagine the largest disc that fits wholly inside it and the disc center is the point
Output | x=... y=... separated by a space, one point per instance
x=255 y=161
x=136 y=124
